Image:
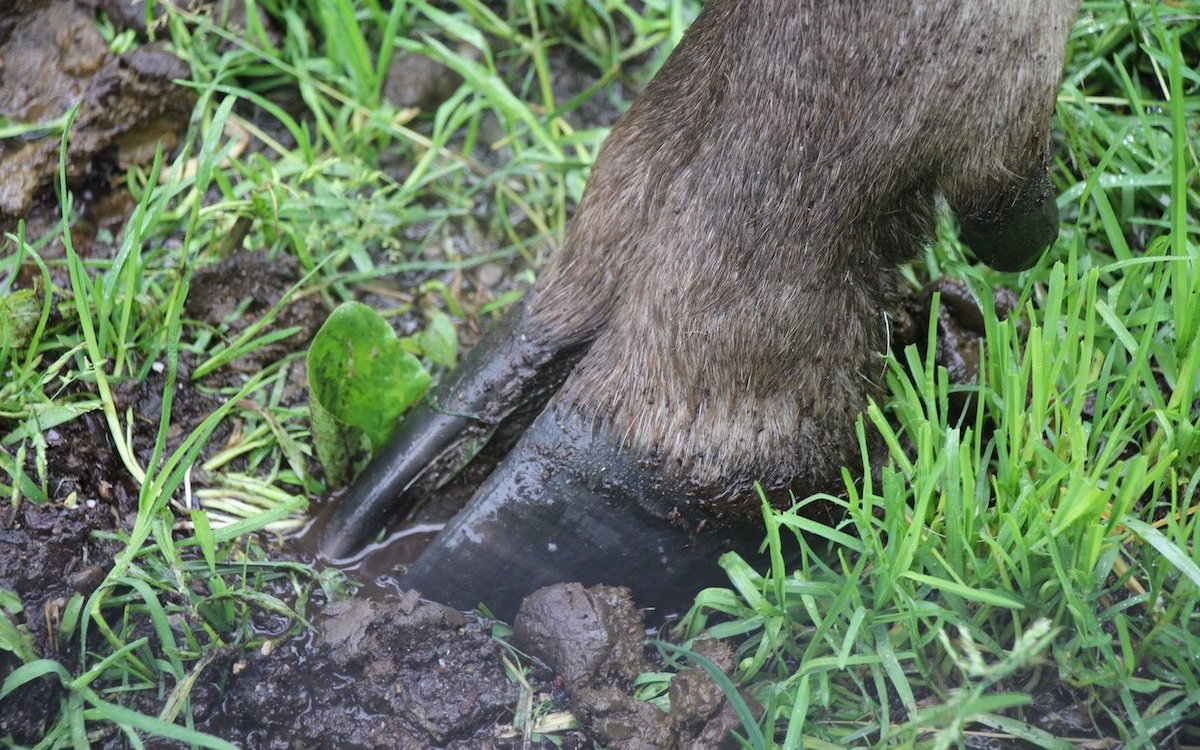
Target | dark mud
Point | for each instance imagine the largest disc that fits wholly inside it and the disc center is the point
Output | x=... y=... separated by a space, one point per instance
x=49 y=553
x=397 y=673
x=401 y=672
x=959 y=326
x=239 y=290
x=52 y=57
x=415 y=81
x=52 y=551
x=594 y=640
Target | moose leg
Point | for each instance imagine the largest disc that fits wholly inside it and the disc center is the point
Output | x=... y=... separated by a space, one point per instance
x=721 y=294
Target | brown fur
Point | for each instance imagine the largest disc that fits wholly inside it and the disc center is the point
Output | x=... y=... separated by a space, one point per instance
x=733 y=258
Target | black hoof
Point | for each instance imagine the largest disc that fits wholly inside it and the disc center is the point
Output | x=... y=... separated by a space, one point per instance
x=569 y=505
x=505 y=372
x=1012 y=239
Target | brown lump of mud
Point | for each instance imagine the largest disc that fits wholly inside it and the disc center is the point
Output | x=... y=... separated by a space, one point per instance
x=51 y=58
x=594 y=639
x=416 y=81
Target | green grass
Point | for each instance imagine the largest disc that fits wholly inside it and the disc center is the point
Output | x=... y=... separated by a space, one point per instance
x=1046 y=537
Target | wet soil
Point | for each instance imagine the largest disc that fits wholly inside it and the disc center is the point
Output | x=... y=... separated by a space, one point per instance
x=394 y=673
x=391 y=671
x=959 y=326
x=48 y=553
x=238 y=291
x=401 y=672
x=388 y=672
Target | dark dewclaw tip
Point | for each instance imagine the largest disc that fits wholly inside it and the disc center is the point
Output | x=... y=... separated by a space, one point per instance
x=495 y=377
x=382 y=490
x=568 y=505
x=1014 y=239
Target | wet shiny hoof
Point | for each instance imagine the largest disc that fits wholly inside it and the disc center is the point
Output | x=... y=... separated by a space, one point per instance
x=569 y=505
x=506 y=373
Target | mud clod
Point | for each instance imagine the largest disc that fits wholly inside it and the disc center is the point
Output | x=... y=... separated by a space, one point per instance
x=960 y=325
x=587 y=635
x=594 y=638
x=52 y=57
x=417 y=81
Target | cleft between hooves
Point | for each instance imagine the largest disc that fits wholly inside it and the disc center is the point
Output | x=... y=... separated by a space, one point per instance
x=568 y=504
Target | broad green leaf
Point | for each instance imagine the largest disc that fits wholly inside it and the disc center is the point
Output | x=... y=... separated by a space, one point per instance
x=361 y=381
x=19 y=313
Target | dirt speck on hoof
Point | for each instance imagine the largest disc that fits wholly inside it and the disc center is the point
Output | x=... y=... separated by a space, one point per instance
x=594 y=639
x=373 y=676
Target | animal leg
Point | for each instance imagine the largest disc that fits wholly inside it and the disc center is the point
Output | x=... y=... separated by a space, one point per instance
x=721 y=292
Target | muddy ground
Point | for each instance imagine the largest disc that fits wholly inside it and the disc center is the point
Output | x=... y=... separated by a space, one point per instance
x=387 y=672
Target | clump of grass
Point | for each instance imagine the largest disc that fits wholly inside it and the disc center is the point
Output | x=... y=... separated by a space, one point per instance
x=1047 y=538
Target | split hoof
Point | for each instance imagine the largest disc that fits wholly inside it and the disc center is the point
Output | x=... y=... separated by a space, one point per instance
x=569 y=505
